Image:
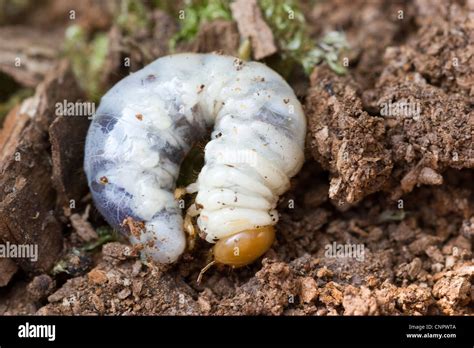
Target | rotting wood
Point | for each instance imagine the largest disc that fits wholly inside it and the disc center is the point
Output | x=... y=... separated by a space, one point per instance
x=67 y=137
x=27 y=196
x=218 y=35
x=251 y=25
x=27 y=54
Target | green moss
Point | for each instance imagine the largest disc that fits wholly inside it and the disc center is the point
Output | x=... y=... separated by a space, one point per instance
x=289 y=28
x=197 y=12
x=132 y=16
x=106 y=234
x=391 y=215
x=87 y=58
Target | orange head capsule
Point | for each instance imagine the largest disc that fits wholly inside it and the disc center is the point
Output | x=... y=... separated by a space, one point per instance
x=242 y=248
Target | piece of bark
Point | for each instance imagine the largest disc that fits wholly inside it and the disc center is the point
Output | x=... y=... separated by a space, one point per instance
x=27 y=197
x=8 y=268
x=27 y=54
x=251 y=25
x=67 y=136
x=219 y=35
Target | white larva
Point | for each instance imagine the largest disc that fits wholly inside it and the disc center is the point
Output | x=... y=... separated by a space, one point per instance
x=146 y=124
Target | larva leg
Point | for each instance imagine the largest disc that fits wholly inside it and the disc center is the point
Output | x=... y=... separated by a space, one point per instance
x=179 y=193
x=191 y=212
x=190 y=231
x=188 y=225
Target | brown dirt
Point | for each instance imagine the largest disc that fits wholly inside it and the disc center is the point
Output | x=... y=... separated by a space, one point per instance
x=400 y=188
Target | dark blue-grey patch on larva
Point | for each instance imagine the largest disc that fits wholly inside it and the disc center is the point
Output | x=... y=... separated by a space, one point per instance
x=166 y=214
x=174 y=153
x=99 y=163
x=280 y=121
x=184 y=132
x=114 y=212
x=106 y=122
x=132 y=162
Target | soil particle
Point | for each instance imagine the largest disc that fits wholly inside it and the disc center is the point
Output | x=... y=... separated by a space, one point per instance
x=410 y=270
x=97 y=276
x=359 y=301
x=414 y=299
x=136 y=227
x=116 y=251
x=331 y=294
x=453 y=288
x=8 y=268
x=420 y=245
x=309 y=289
x=40 y=287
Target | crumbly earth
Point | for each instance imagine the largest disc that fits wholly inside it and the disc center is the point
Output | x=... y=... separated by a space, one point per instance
x=368 y=149
x=399 y=191
x=413 y=264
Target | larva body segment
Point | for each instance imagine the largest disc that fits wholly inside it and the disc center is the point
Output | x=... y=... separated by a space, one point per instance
x=146 y=124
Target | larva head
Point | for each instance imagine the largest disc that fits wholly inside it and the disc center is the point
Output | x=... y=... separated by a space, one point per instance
x=244 y=247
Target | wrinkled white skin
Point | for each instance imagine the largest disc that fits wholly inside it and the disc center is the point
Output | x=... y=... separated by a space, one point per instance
x=147 y=123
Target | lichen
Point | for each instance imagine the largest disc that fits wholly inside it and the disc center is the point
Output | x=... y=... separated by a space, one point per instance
x=296 y=46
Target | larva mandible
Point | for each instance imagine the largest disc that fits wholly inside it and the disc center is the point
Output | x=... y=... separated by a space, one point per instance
x=146 y=124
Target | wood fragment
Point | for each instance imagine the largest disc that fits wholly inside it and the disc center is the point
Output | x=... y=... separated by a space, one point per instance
x=218 y=35
x=27 y=196
x=27 y=54
x=67 y=136
x=251 y=25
